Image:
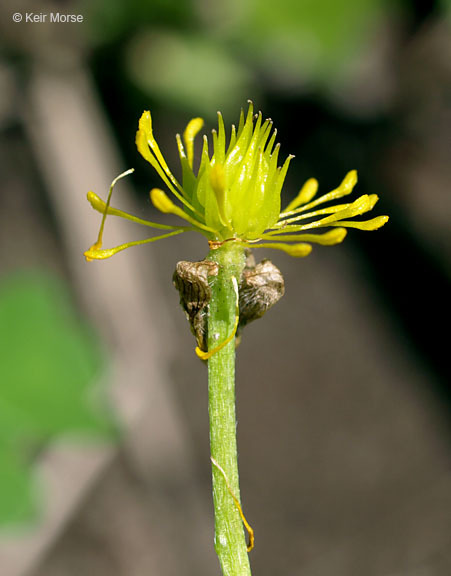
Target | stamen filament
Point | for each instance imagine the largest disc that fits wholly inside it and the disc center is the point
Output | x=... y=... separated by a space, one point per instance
x=326 y=239
x=95 y=253
x=164 y=204
x=372 y=224
x=328 y=210
x=146 y=130
x=359 y=206
x=147 y=149
x=250 y=531
x=206 y=355
x=296 y=250
x=344 y=189
x=107 y=204
x=98 y=204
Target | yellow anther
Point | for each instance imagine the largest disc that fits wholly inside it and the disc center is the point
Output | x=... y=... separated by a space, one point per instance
x=307 y=193
x=349 y=181
x=162 y=202
x=193 y=128
x=96 y=202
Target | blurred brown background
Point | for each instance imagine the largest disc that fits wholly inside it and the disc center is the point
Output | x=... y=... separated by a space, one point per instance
x=342 y=390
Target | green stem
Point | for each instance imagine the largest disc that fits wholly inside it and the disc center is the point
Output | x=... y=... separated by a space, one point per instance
x=230 y=541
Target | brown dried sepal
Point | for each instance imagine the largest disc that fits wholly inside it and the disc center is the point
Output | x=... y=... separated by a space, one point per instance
x=261 y=286
x=191 y=280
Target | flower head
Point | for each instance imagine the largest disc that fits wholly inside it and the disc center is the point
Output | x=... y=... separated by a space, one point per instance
x=235 y=194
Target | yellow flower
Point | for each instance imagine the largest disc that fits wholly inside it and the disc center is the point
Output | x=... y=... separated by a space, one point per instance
x=235 y=195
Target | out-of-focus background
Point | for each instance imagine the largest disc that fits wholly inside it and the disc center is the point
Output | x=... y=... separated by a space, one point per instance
x=343 y=389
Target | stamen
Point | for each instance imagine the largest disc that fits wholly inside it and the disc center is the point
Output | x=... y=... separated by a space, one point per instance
x=98 y=244
x=372 y=201
x=326 y=239
x=238 y=505
x=96 y=253
x=345 y=188
x=360 y=206
x=372 y=224
x=164 y=204
x=296 y=250
x=206 y=355
x=306 y=193
x=148 y=148
x=193 y=128
x=98 y=204
x=281 y=224
x=145 y=128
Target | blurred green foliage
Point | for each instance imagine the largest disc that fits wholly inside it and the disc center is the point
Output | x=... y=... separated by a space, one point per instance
x=49 y=364
x=300 y=41
x=112 y=21
x=188 y=72
x=199 y=56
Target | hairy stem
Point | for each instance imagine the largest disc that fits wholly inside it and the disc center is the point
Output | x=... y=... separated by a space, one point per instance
x=230 y=542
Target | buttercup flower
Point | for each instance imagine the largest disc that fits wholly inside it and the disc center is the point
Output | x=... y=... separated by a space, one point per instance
x=235 y=195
